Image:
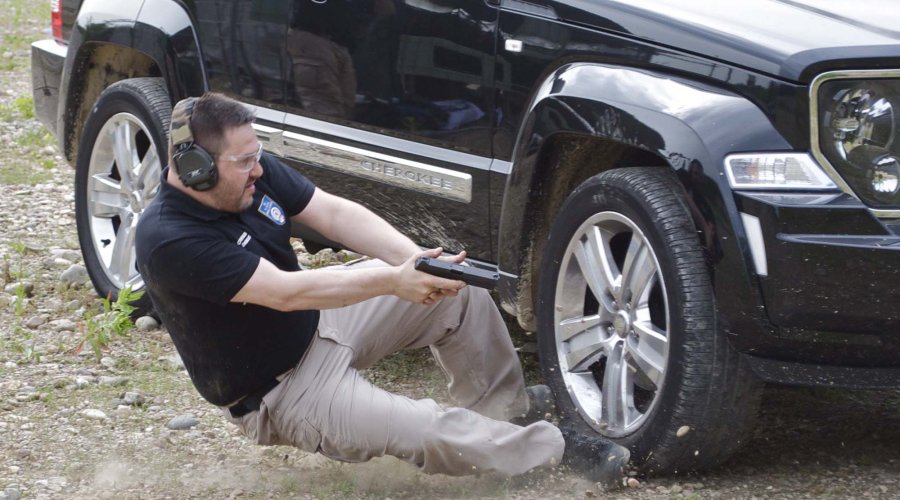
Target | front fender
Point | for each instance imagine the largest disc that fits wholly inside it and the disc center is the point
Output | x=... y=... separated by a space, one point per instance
x=688 y=126
x=98 y=21
x=136 y=40
x=165 y=32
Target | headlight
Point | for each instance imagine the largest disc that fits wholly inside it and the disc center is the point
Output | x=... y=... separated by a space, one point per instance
x=859 y=135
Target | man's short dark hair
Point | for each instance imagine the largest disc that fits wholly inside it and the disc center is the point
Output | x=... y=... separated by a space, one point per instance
x=212 y=115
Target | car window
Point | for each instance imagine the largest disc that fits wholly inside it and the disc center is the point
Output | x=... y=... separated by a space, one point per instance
x=414 y=69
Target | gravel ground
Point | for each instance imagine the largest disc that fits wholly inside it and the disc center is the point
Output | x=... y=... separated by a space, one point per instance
x=130 y=425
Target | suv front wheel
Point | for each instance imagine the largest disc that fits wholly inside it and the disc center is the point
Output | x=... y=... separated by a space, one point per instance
x=122 y=150
x=628 y=335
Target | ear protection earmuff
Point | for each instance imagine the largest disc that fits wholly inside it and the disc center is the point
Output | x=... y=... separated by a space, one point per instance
x=194 y=165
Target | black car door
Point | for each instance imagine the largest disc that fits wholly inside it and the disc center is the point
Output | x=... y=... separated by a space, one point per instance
x=386 y=102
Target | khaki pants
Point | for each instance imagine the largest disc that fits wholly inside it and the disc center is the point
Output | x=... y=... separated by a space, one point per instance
x=325 y=406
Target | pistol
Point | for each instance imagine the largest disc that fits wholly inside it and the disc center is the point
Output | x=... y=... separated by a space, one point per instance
x=471 y=275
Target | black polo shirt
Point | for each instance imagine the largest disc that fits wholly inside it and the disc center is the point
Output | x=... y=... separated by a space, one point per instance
x=194 y=259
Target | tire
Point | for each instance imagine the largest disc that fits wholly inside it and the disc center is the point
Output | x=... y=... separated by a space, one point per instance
x=637 y=355
x=129 y=123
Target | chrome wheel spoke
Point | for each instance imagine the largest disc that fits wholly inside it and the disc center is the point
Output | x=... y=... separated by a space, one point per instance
x=616 y=394
x=582 y=358
x=570 y=328
x=595 y=267
x=122 y=261
x=600 y=238
x=125 y=153
x=598 y=241
x=105 y=197
x=148 y=174
x=638 y=269
x=648 y=352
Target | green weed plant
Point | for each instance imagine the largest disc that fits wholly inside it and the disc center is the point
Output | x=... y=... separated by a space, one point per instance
x=115 y=321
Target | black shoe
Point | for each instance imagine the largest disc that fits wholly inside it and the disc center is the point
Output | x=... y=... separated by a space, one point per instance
x=541 y=406
x=599 y=459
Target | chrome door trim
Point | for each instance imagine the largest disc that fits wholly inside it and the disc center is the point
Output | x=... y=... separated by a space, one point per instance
x=385 y=141
x=270 y=138
x=387 y=169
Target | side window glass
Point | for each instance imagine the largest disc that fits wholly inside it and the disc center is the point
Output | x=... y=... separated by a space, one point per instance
x=243 y=47
x=319 y=42
x=415 y=69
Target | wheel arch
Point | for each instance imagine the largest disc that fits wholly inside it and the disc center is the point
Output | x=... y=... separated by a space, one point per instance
x=130 y=42
x=598 y=117
x=561 y=165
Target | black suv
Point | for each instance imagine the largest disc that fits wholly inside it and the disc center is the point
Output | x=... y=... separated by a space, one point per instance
x=684 y=199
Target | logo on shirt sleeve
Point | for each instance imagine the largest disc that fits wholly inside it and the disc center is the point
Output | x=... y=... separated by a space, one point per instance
x=272 y=210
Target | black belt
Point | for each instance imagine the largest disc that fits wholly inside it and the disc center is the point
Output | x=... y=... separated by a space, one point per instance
x=250 y=402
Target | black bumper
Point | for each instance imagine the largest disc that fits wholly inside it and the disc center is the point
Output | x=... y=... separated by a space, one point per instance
x=817 y=375
x=832 y=291
x=47 y=59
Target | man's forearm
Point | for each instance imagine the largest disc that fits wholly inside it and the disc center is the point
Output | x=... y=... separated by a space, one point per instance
x=330 y=288
x=314 y=289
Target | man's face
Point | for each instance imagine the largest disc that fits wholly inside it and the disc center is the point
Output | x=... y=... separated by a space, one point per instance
x=238 y=170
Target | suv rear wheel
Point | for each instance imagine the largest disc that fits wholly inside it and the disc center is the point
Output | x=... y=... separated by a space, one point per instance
x=628 y=334
x=117 y=174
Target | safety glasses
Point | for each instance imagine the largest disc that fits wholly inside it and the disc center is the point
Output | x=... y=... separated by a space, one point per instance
x=246 y=162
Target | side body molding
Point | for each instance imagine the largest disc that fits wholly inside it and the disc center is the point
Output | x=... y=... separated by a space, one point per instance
x=686 y=126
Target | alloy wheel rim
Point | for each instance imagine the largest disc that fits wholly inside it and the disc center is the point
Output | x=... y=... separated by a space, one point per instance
x=123 y=177
x=611 y=324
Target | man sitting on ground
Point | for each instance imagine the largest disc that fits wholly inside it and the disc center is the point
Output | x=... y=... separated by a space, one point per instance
x=280 y=349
